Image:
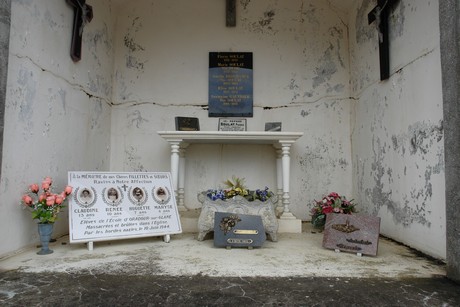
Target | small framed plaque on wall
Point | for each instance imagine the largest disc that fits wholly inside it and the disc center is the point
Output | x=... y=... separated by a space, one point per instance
x=276 y=126
x=229 y=124
x=187 y=124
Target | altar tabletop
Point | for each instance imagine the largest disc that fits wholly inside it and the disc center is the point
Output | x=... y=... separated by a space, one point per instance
x=237 y=137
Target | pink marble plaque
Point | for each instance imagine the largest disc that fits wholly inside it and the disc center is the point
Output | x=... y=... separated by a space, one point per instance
x=352 y=233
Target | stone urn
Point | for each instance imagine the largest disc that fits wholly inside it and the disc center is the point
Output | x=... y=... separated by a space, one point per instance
x=237 y=204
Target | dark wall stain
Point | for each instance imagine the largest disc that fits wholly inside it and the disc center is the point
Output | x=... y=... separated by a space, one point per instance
x=135 y=119
x=264 y=24
x=133 y=47
x=131 y=44
x=364 y=31
x=326 y=68
x=133 y=160
x=267 y=19
x=421 y=139
x=27 y=91
x=309 y=14
x=244 y=3
x=337 y=33
x=396 y=21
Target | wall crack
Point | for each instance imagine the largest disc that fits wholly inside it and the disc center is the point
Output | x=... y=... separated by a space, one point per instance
x=74 y=85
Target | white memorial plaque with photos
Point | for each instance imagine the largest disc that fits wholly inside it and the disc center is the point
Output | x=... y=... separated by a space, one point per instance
x=110 y=206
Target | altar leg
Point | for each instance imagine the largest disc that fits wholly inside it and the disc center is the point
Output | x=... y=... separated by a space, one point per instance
x=181 y=181
x=286 y=161
x=279 y=182
x=175 y=166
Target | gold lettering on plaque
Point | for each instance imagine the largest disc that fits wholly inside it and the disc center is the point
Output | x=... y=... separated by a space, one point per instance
x=347 y=228
x=239 y=241
x=245 y=232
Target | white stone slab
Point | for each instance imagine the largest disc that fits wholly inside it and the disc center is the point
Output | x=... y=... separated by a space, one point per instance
x=111 y=206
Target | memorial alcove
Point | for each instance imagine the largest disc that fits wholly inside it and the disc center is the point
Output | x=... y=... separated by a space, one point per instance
x=316 y=70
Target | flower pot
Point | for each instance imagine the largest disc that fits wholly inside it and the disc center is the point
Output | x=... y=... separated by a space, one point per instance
x=45 y=231
x=318 y=221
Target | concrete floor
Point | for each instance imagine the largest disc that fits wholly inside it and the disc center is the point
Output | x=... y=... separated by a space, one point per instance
x=294 y=271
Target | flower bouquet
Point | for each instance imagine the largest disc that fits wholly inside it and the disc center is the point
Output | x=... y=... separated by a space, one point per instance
x=332 y=203
x=45 y=206
x=235 y=186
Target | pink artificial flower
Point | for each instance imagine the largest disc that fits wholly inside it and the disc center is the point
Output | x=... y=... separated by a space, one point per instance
x=45 y=185
x=27 y=199
x=34 y=188
x=336 y=210
x=327 y=209
x=63 y=195
x=50 y=200
x=59 y=199
x=68 y=190
x=42 y=197
x=334 y=195
x=49 y=180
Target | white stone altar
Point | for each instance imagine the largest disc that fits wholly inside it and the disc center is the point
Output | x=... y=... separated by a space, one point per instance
x=281 y=141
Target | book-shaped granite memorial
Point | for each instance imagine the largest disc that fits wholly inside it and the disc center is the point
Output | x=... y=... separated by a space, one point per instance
x=238 y=230
x=352 y=233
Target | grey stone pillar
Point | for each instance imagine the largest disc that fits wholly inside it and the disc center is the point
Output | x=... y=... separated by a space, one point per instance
x=449 y=23
x=5 y=17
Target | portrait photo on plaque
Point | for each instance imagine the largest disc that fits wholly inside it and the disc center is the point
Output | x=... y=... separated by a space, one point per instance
x=161 y=195
x=138 y=196
x=85 y=196
x=112 y=196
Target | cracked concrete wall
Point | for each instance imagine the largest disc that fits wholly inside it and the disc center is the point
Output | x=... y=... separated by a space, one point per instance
x=397 y=125
x=301 y=78
x=57 y=114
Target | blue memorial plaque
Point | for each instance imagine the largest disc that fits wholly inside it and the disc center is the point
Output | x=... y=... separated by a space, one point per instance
x=238 y=230
x=230 y=84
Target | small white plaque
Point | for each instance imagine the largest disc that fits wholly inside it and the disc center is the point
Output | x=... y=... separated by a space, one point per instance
x=111 y=206
x=227 y=124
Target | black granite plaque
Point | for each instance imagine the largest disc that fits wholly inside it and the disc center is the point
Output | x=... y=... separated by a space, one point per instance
x=352 y=233
x=187 y=124
x=230 y=84
x=238 y=230
x=273 y=126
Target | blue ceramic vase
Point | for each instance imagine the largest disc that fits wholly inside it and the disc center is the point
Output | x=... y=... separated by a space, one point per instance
x=45 y=231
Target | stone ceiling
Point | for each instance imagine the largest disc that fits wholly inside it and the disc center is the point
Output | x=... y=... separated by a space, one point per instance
x=343 y=5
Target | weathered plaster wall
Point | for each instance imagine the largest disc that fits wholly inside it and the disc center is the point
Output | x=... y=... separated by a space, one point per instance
x=57 y=115
x=397 y=125
x=301 y=78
